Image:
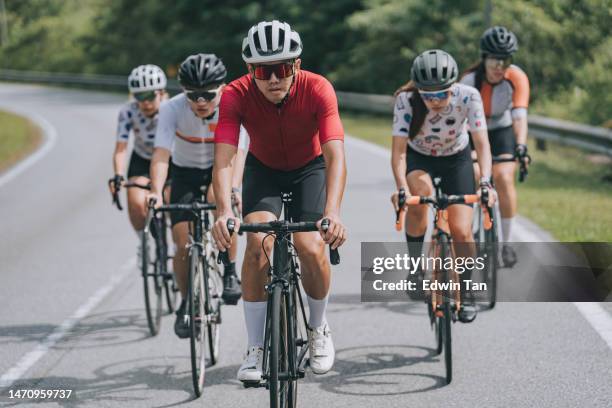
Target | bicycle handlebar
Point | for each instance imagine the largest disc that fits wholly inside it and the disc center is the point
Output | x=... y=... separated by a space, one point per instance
x=282 y=226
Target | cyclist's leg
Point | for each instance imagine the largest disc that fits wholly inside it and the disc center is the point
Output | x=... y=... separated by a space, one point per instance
x=419 y=182
x=503 y=176
x=261 y=203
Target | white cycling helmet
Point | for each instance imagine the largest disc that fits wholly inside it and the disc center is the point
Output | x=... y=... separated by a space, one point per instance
x=146 y=78
x=271 y=41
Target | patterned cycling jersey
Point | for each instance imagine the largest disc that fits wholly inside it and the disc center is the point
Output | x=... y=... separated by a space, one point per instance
x=506 y=100
x=445 y=133
x=188 y=137
x=143 y=127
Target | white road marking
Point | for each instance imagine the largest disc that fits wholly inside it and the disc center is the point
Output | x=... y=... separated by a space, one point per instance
x=49 y=135
x=29 y=359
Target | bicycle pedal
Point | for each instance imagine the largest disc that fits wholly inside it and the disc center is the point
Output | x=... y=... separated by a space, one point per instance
x=252 y=384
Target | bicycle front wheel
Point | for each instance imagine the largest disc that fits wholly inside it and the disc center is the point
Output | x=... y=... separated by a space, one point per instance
x=152 y=284
x=279 y=378
x=197 y=338
x=446 y=319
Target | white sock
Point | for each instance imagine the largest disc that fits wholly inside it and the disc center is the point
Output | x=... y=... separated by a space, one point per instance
x=317 y=311
x=139 y=233
x=255 y=318
x=507 y=224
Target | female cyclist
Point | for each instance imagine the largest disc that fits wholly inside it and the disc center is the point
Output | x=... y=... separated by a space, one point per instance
x=430 y=139
x=147 y=84
x=504 y=88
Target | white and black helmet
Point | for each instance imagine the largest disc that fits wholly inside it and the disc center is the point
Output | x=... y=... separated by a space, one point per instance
x=271 y=41
x=146 y=78
x=434 y=70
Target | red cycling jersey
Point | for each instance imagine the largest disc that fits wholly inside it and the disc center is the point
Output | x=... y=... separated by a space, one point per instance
x=286 y=137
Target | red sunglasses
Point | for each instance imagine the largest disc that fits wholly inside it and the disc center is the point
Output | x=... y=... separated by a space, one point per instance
x=281 y=70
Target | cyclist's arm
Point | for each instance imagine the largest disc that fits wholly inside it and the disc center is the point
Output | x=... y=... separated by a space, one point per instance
x=159 y=169
x=119 y=157
x=238 y=168
x=335 y=175
x=519 y=125
x=483 y=151
x=164 y=142
x=225 y=154
x=398 y=161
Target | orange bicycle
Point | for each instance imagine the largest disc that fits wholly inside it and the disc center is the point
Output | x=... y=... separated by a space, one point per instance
x=443 y=299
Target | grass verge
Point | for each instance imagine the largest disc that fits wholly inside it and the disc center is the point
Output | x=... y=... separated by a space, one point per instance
x=18 y=138
x=564 y=193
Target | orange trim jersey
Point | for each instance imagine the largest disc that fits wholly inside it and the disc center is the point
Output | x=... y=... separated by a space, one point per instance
x=506 y=100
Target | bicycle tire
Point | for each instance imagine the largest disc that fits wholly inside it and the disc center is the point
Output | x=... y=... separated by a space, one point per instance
x=274 y=356
x=197 y=337
x=491 y=248
x=151 y=284
x=213 y=290
x=446 y=319
x=169 y=280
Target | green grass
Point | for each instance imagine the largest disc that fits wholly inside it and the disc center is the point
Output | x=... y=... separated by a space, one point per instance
x=564 y=192
x=18 y=137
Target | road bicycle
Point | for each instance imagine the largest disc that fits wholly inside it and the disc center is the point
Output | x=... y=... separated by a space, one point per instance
x=153 y=258
x=204 y=289
x=285 y=338
x=443 y=302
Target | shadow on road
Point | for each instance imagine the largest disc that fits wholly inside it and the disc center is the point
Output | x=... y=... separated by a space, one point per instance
x=130 y=381
x=365 y=371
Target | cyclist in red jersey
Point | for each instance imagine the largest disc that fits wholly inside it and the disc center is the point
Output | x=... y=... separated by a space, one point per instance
x=296 y=145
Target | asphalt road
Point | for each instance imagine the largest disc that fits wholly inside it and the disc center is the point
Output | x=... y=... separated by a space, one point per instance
x=66 y=257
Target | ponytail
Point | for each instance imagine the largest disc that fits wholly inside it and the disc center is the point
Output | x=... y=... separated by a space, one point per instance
x=419 y=109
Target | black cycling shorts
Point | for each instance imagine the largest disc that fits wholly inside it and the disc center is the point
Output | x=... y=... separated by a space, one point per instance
x=502 y=141
x=262 y=187
x=185 y=185
x=456 y=171
x=139 y=166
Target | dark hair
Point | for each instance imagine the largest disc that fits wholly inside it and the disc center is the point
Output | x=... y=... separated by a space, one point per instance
x=419 y=109
x=479 y=69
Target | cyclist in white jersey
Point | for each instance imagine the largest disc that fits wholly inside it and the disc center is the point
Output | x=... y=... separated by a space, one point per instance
x=430 y=139
x=147 y=85
x=186 y=130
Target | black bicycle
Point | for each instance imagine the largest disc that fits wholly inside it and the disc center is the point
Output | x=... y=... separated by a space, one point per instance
x=443 y=302
x=285 y=339
x=204 y=289
x=153 y=262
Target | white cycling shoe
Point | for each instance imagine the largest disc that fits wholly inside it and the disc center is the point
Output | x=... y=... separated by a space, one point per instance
x=321 y=349
x=251 y=368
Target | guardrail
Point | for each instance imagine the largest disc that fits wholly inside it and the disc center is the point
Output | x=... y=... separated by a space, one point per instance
x=589 y=138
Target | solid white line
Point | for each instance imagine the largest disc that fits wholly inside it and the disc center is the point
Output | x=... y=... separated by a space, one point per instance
x=597 y=316
x=599 y=319
x=50 y=136
x=29 y=359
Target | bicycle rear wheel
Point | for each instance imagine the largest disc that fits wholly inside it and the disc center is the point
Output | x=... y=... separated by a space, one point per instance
x=197 y=338
x=151 y=283
x=446 y=319
x=169 y=279
x=214 y=289
x=491 y=248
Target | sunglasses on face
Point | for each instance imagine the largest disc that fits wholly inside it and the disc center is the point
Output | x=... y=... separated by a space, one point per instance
x=282 y=70
x=207 y=96
x=498 y=62
x=435 y=95
x=145 y=96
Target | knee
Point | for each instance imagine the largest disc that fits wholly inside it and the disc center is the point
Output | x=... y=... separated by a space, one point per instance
x=504 y=180
x=461 y=232
x=256 y=253
x=312 y=250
